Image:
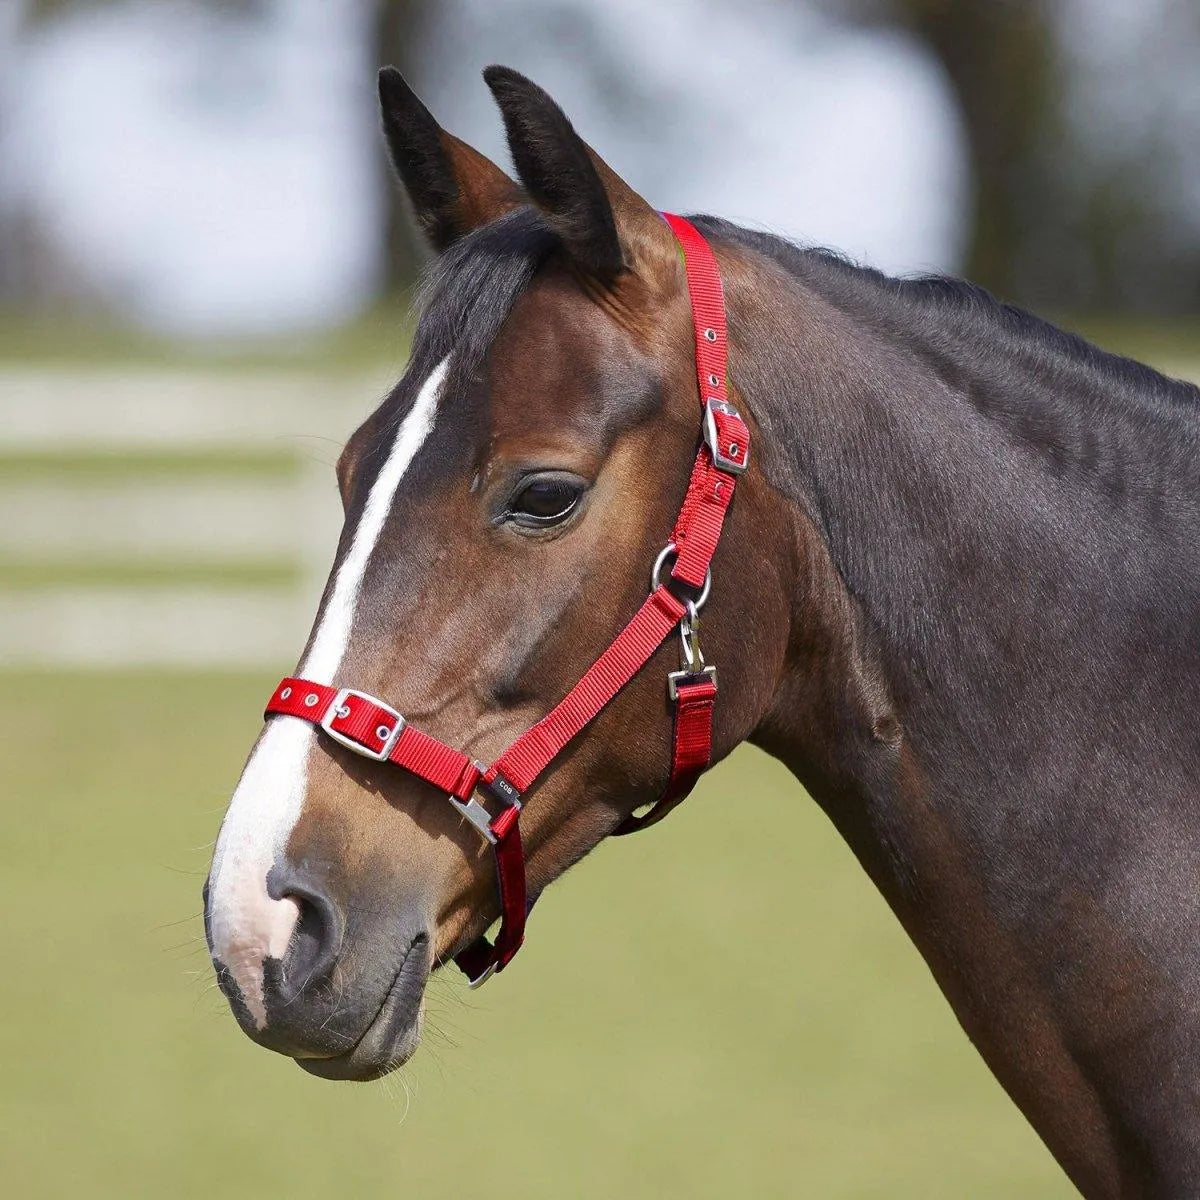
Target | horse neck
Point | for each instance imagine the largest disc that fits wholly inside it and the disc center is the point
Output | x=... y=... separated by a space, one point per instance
x=971 y=687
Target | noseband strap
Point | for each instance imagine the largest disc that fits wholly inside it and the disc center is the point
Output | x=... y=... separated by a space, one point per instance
x=369 y=727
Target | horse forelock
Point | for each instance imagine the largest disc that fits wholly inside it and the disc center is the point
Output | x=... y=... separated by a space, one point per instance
x=469 y=290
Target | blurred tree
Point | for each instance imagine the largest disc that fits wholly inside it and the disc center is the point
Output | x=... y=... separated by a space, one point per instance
x=34 y=10
x=398 y=28
x=1002 y=62
x=1085 y=170
x=1057 y=217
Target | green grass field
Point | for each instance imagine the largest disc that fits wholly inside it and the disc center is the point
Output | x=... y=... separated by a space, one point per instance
x=719 y=1008
x=722 y=1007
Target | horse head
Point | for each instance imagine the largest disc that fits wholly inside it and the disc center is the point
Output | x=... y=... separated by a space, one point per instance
x=503 y=507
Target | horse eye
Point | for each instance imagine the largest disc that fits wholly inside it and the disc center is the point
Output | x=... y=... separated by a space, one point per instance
x=543 y=502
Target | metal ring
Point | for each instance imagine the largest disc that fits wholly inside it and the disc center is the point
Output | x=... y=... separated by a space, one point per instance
x=656 y=573
x=285 y=693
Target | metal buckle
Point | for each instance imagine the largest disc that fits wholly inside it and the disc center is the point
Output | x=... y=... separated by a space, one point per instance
x=482 y=977
x=334 y=713
x=720 y=455
x=477 y=815
x=675 y=678
x=500 y=790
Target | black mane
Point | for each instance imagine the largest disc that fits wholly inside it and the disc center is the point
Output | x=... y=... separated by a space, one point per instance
x=470 y=289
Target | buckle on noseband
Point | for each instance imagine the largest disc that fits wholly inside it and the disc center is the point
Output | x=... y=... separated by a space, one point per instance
x=339 y=710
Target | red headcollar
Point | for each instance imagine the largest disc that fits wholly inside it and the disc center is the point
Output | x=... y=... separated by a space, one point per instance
x=371 y=728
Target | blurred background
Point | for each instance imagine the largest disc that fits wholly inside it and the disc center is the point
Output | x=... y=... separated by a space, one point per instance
x=204 y=279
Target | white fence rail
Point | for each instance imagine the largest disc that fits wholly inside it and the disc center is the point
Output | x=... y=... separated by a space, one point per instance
x=241 y=535
x=271 y=531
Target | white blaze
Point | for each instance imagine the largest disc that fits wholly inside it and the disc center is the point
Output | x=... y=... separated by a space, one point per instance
x=246 y=924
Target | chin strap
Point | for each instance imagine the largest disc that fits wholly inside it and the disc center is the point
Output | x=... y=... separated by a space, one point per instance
x=373 y=729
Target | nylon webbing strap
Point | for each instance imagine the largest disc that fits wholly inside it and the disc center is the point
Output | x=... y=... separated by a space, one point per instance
x=368 y=726
x=710 y=489
x=691 y=750
x=535 y=749
x=365 y=725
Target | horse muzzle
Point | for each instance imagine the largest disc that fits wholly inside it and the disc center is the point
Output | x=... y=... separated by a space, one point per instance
x=344 y=1002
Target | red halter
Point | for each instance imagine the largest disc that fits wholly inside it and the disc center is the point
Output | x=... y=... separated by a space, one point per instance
x=369 y=727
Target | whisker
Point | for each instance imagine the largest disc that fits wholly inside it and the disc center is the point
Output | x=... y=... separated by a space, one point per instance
x=173 y=924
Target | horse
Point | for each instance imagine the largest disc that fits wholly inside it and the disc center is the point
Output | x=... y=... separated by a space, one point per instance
x=957 y=593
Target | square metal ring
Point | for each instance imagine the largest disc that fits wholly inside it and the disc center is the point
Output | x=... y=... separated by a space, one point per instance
x=675 y=678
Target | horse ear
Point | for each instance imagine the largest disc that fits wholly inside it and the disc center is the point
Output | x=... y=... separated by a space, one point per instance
x=605 y=225
x=453 y=188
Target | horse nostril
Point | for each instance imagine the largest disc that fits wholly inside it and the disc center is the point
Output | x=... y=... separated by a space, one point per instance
x=316 y=940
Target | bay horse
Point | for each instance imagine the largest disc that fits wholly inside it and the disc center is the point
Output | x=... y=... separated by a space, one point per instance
x=957 y=594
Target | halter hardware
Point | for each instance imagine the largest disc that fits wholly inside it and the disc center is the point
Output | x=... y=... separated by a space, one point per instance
x=726 y=436
x=476 y=815
x=671 y=551
x=385 y=736
x=477 y=981
x=370 y=727
x=499 y=790
x=692 y=668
